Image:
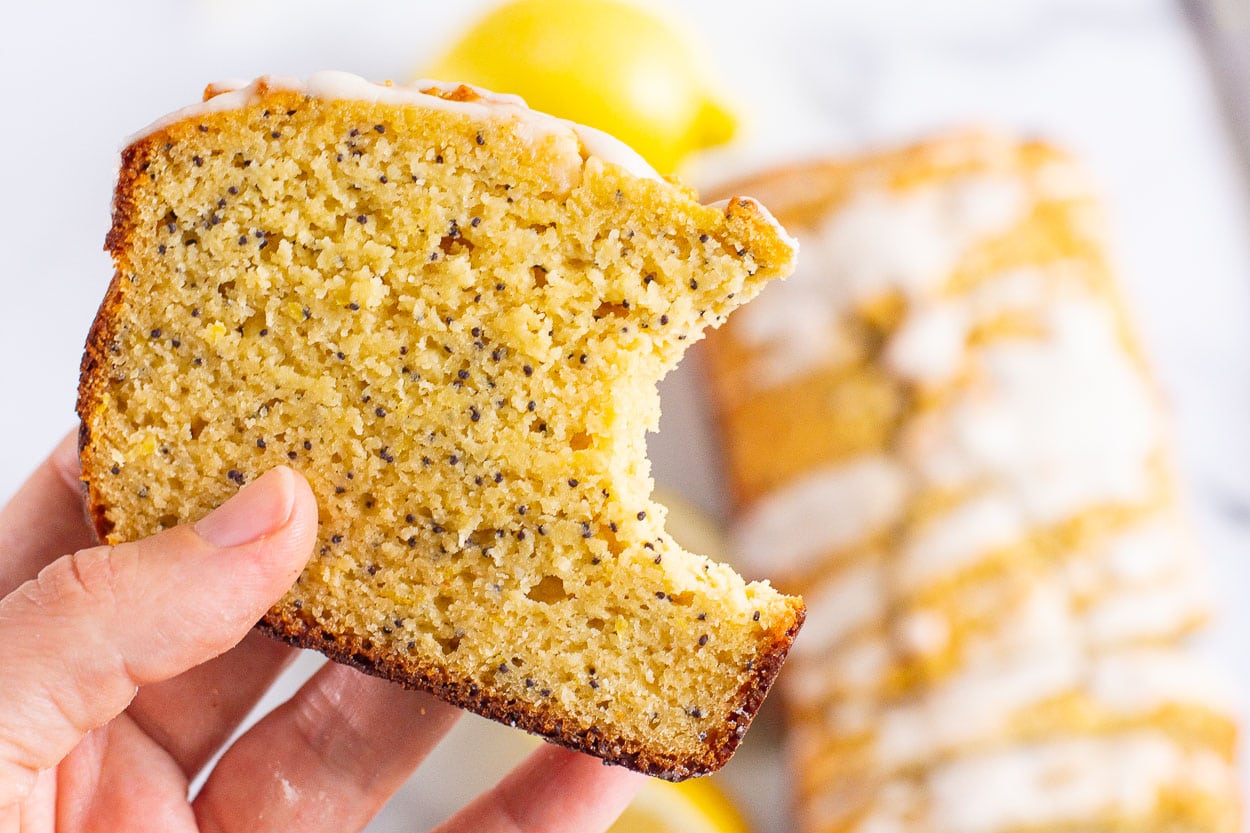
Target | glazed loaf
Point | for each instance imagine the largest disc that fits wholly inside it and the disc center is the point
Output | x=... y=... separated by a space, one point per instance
x=942 y=432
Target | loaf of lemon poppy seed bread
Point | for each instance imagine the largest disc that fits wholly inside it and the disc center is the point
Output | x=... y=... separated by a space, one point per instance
x=450 y=313
x=942 y=431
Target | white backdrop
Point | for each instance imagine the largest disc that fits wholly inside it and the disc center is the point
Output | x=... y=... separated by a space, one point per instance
x=1118 y=81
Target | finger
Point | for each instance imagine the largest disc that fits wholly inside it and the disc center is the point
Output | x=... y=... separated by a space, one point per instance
x=45 y=519
x=193 y=714
x=78 y=641
x=327 y=759
x=37 y=811
x=40 y=811
x=553 y=791
x=117 y=778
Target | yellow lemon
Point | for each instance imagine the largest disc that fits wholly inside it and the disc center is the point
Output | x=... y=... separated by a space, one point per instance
x=689 y=807
x=603 y=63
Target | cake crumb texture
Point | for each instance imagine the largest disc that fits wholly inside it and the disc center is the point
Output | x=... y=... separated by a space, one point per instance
x=453 y=324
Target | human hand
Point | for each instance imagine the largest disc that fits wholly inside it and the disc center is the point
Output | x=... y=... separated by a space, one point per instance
x=123 y=670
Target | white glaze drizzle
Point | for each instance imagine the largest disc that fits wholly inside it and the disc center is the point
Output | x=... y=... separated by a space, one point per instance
x=853 y=599
x=1045 y=631
x=826 y=510
x=959 y=538
x=1161 y=611
x=1040 y=429
x=922 y=632
x=1064 y=422
x=971 y=707
x=1142 y=680
x=931 y=344
x=1044 y=649
x=1069 y=780
x=1149 y=551
x=1038 y=655
x=1034 y=655
x=344 y=86
x=880 y=241
x=857 y=666
x=1066 y=780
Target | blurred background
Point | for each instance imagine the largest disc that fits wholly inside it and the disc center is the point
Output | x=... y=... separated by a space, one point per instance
x=1126 y=84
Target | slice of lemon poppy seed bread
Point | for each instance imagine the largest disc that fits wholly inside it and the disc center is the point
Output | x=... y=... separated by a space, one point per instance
x=450 y=313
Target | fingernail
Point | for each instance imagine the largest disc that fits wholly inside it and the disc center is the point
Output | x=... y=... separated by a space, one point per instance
x=259 y=509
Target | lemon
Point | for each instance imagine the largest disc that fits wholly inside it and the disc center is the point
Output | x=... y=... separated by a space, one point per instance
x=603 y=63
x=689 y=807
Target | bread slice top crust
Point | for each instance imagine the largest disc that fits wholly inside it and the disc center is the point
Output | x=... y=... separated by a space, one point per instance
x=451 y=315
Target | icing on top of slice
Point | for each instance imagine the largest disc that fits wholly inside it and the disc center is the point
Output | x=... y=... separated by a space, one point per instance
x=235 y=94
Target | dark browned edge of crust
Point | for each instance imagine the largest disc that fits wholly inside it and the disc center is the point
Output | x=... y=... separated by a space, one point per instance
x=92 y=372
x=91 y=378
x=348 y=649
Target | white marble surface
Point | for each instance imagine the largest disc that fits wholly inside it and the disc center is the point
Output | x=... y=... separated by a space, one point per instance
x=1118 y=81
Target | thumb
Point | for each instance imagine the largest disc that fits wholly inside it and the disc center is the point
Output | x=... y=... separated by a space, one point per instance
x=78 y=641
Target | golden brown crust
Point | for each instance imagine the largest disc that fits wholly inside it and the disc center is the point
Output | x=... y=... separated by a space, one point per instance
x=133 y=164
x=752 y=693
x=91 y=380
x=92 y=372
x=348 y=649
x=744 y=214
